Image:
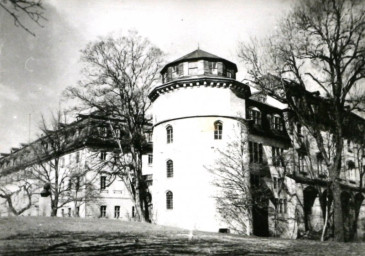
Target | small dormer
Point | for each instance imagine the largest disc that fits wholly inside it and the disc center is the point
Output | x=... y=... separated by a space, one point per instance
x=198 y=63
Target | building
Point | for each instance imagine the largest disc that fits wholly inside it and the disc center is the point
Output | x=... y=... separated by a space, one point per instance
x=200 y=111
x=83 y=154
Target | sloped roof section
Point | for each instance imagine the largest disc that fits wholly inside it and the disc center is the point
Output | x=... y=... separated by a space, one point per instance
x=199 y=55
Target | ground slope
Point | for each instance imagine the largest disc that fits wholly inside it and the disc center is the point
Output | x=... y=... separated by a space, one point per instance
x=72 y=236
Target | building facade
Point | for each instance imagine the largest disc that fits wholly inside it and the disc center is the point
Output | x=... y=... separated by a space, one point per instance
x=202 y=114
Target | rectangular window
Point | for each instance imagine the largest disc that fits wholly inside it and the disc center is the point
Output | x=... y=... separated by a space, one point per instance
x=102 y=182
x=103 y=211
x=275 y=182
x=103 y=155
x=255 y=152
x=349 y=146
x=133 y=212
x=77 y=183
x=77 y=157
x=69 y=212
x=255 y=115
x=150 y=158
x=69 y=187
x=116 y=211
x=277 y=123
x=193 y=68
x=277 y=156
x=301 y=163
x=78 y=211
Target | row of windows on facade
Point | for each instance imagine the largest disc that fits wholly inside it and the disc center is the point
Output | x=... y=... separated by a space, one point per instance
x=209 y=68
x=276 y=122
x=218 y=132
x=103 y=212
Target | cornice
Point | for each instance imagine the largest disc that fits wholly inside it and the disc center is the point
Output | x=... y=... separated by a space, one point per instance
x=240 y=89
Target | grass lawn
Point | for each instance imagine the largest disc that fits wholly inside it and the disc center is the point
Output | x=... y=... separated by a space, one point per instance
x=71 y=236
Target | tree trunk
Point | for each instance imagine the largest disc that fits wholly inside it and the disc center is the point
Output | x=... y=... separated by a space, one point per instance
x=339 y=232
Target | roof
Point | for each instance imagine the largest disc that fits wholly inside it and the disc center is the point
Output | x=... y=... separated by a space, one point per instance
x=198 y=55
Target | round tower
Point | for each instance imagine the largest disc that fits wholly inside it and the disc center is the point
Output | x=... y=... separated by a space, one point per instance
x=196 y=112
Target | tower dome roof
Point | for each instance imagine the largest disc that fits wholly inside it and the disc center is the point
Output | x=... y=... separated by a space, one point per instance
x=199 y=55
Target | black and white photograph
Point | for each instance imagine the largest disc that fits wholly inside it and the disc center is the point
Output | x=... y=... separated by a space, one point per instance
x=181 y=127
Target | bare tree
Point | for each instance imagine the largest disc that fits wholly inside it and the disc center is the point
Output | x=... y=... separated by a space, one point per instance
x=17 y=192
x=119 y=72
x=319 y=44
x=69 y=181
x=17 y=9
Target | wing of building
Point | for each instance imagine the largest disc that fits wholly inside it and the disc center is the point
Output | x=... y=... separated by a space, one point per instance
x=224 y=158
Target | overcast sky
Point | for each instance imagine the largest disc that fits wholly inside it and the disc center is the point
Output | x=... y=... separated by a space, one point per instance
x=35 y=70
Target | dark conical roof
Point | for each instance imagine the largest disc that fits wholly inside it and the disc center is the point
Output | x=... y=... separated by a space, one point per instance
x=199 y=55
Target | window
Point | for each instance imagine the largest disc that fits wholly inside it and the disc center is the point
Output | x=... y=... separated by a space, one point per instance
x=301 y=163
x=149 y=136
x=281 y=205
x=102 y=182
x=77 y=183
x=150 y=158
x=255 y=115
x=255 y=152
x=255 y=180
x=299 y=130
x=193 y=68
x=218 y=130
x=170 y=135
x=275 y=182
x=103 y=211
x=277 y=156
x=277 y=123
x=78 y=211
x=169 y=200
x=62 y=162
x=170 y=169
x=69 y=187
x=116 y=211
x=77 y=157
x=63 y=212
x=321 y=170
x=133 y=212
x=69 y=212
x=102 y=155
x=349 y=146
x=117 y=133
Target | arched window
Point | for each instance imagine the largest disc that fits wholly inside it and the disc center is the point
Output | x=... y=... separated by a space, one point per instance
x=218 y=130
x=170 y=168
x=170 y=134
x=169 y=200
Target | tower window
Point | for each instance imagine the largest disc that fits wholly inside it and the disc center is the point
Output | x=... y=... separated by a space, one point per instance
x=218 y=130
x=170 y=169
x=193 y=68
x=169 y=200
x=170 y=134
